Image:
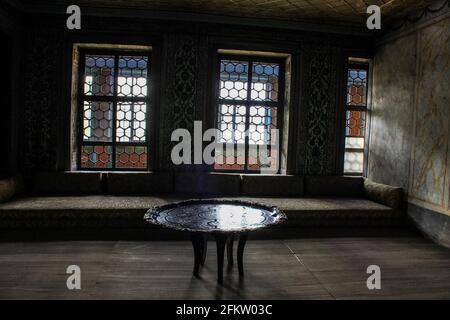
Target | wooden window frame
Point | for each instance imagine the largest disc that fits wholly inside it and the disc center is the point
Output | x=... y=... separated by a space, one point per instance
x=363 y=108
x=279 y=105
x=114 y=99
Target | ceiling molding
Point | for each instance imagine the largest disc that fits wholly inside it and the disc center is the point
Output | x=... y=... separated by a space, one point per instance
x=433 y=10
x=197 y=17
x=325 y=16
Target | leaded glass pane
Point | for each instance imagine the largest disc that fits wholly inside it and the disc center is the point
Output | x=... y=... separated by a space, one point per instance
x=354 y=162
x=114 y=118
x=265 y=81
x=131 y=122
x=262 y=120
x=261 y=156
x=230 y=157
x=131 y=157
x=99 y=157
x=233 y=80
x=97 y=121
x=356 y=123
x=132 y=79
x=247 y=113
x=232 y=123
x=357 y=87
x=99 y=75
x=354 y=143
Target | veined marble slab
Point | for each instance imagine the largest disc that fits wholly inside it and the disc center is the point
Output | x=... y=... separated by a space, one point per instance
x=432 y=114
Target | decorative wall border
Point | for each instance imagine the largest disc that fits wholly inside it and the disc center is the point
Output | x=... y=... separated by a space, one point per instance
x=427 y=12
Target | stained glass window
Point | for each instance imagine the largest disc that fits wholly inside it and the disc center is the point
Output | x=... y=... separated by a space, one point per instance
x=356 y=122
x=249 y=106
x=114 y=110
x=356 y=116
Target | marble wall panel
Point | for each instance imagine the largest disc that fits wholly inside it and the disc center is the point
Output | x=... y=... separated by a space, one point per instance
x=432 y=114
x=391 y=112
x=434 y=225
x=410 y=123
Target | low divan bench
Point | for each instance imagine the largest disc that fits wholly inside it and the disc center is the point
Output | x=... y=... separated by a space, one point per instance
x=120 y=199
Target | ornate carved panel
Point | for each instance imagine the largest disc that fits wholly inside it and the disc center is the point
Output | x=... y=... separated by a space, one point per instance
x=180 y=97
x=317 y=133
x=42 y=77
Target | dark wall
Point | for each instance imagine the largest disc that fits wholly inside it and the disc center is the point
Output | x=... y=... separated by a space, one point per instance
x=9 y=101
x=5 y=105
x=183 y=60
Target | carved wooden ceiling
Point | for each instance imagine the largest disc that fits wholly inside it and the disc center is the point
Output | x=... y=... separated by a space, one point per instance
x=343 y=12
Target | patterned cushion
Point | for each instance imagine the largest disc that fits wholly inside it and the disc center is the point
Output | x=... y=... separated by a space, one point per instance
x=78 y=211
x=128 y=211
x=68 y=183
x=272 y=185
x=139 y=183
x=333 y=211
x=10 y=187
x=388 y=195
x=334 y=186
x=200 y=183
x=6 y=190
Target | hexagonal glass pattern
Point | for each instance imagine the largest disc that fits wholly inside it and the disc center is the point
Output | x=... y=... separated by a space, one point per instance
x=355 y=118
x=132 y=79
x=99 y=75
x=247 y=111
x=357 y=87
x=99 y=157
x=231 y=157
x=354 y=143
x=233 y=128
x=354 y=162
x=114 y=132
x=265 y=81
x=131 y=122
x=233 y=80
x=355 y=124
x=97 y=121
x=260 y=156
x=232 y=123
x=131 y=157
x=261 y=120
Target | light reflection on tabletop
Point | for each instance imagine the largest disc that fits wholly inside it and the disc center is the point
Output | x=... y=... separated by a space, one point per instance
x=211 y=216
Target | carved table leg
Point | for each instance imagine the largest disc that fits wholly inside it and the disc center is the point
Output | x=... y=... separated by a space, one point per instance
x=221 y=241
x=230 y=251
x=204 y=249
x=197 y=243
x=240 y=252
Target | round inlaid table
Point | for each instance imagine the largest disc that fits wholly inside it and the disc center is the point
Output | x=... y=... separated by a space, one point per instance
x=223 y=219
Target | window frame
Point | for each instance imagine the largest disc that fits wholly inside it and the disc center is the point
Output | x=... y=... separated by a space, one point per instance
x=248 y=102
x=366 y=66
x=114 y=99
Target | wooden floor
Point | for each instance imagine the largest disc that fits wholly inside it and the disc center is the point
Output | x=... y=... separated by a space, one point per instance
x=332 y=268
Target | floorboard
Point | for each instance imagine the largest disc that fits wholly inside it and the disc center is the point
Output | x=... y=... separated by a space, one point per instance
x=309 y=268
